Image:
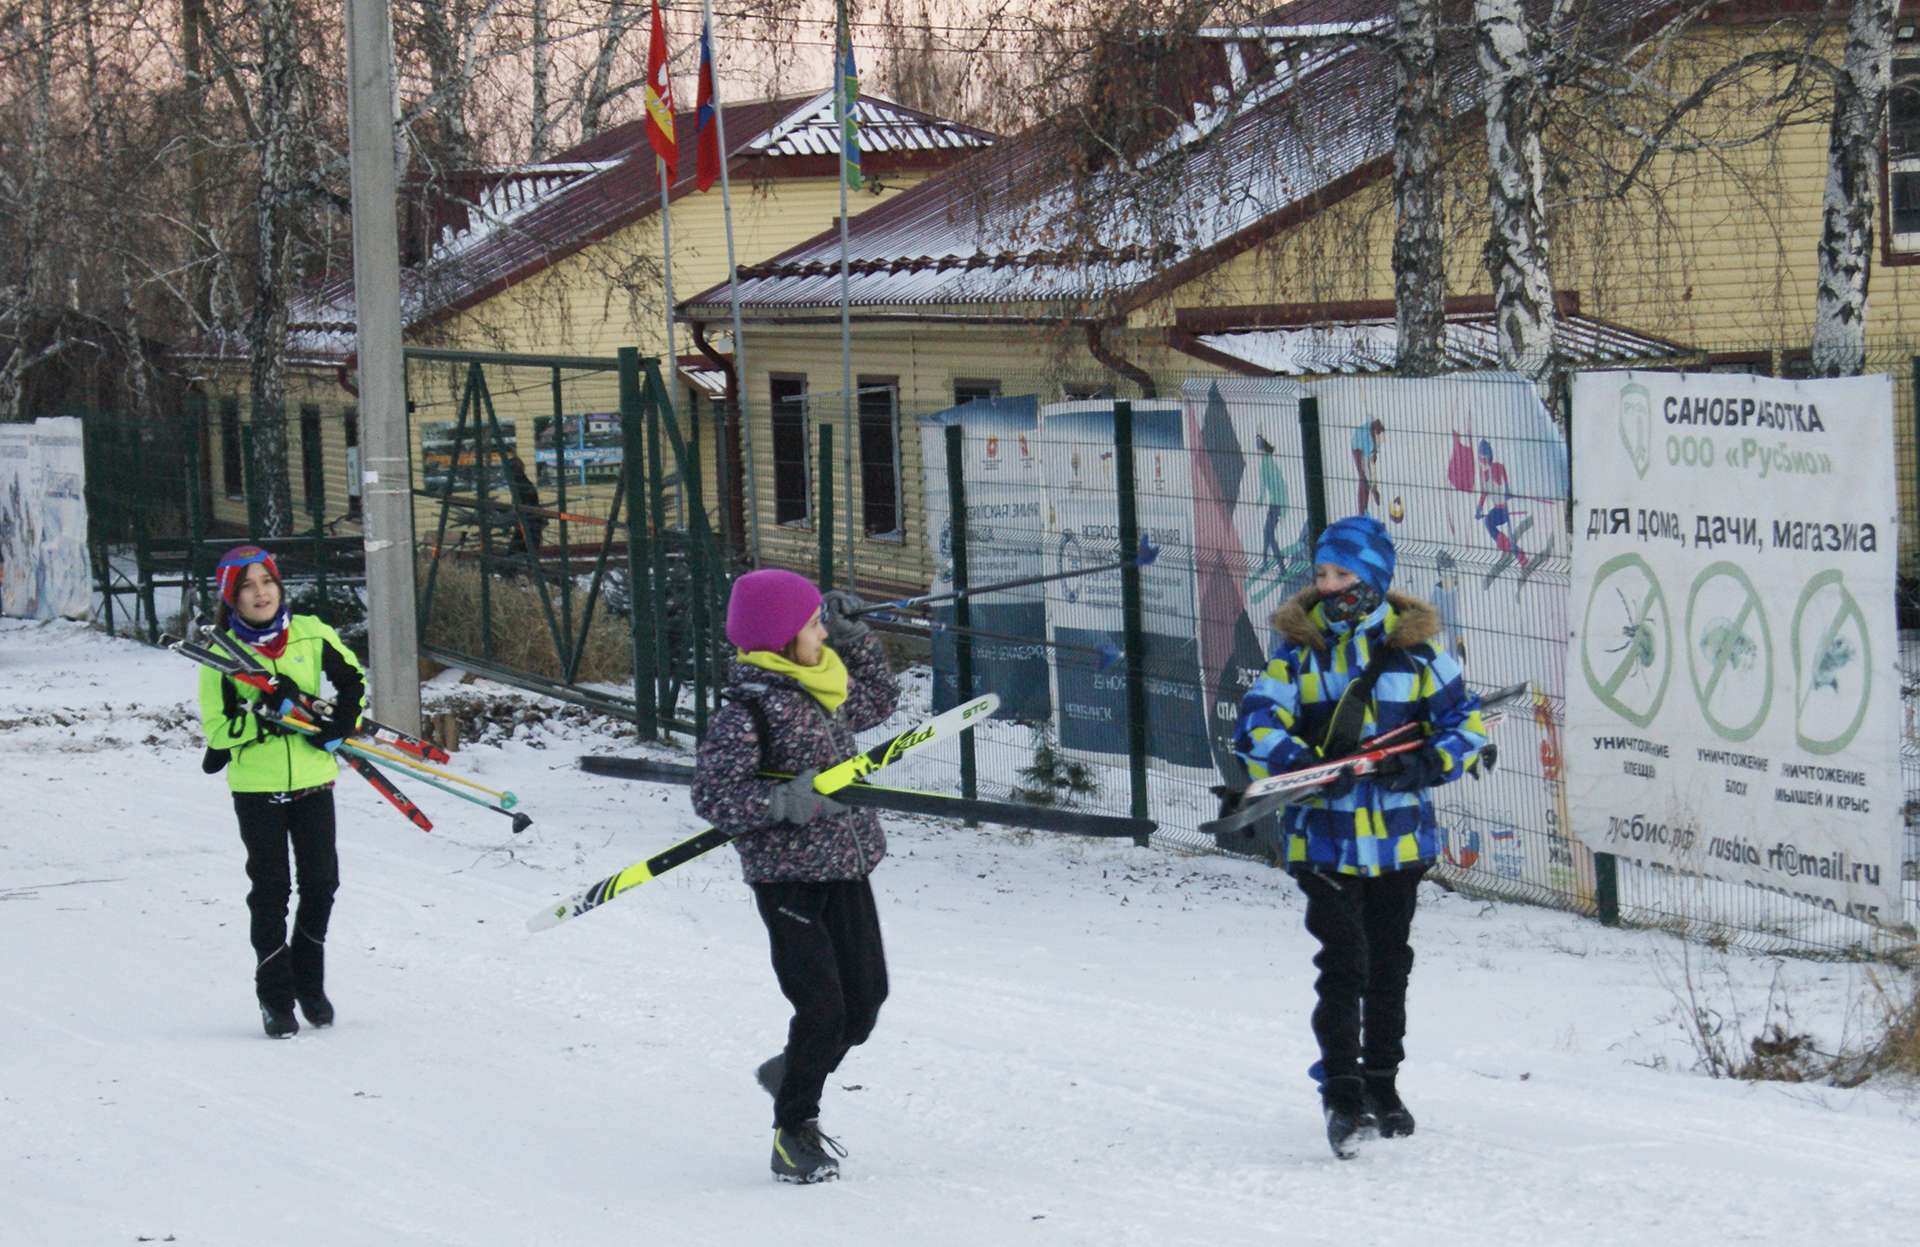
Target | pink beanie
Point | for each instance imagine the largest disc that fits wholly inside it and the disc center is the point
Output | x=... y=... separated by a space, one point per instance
x=769 y=607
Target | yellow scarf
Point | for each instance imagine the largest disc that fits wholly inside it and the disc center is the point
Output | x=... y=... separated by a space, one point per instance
x=827 y=681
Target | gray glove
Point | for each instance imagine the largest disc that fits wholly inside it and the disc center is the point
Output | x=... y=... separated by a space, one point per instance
x=837 y=613
x=795 y=801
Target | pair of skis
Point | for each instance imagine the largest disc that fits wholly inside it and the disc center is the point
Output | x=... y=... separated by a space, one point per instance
x=940 y=727
x=373 y=741
x=1265 y=796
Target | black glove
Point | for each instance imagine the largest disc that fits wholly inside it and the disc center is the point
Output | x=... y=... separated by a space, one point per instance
x=1230 y=799
x=286 y=696
x=837 y=614
x=795 y=801
x=1334 y=789
x=339 y=725
x=1410 y=771
x=261 y=709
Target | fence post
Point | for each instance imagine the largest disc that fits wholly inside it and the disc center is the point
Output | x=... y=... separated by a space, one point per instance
x=250 y=481
x=639 y=587
x=142 y=546
x=196 y=496
x=962 y=612
x=1606 y=888
x=1134 y=635
x=560 y=505
x=1314 y=465
x=657 y=492
x=825 y=514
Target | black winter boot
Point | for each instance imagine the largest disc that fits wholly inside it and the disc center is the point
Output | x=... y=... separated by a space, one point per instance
x=771 y=1073
x=309 y=978
x=1384 y=1102
x=804 y=1155
x=273 y=986
x=1343 y=1101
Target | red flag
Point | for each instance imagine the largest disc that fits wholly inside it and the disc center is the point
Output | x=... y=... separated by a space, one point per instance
x=659 y=99
x=705 y=128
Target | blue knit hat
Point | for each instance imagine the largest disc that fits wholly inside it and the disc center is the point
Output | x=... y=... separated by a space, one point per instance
x=1360 y=544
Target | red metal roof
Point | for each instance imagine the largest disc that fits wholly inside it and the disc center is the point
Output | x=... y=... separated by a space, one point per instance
x=521 y=221
x=1009 y=227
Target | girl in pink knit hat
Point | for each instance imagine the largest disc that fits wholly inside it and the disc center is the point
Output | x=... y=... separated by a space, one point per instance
x=808 y=675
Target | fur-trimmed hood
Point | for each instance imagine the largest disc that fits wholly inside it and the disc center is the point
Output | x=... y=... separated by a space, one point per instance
x=1417 y=623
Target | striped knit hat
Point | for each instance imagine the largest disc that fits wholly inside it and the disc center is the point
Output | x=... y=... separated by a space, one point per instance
x=1360 y=544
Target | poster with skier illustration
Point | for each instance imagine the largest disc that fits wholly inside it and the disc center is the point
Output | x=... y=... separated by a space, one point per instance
x=1470 y=475
x=1252 y=547
x=1733 y=687
x=1084 y=620
x=44 y=572
x=1005 y=496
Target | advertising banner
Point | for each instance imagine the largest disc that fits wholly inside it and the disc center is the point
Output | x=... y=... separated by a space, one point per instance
x=1733 y=694
x=1005 y=495
x=1084 y=617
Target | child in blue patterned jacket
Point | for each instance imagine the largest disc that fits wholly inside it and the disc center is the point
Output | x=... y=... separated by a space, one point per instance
x=1359 y=845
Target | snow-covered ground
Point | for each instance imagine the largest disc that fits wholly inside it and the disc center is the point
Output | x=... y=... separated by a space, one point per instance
x=1086 y=1043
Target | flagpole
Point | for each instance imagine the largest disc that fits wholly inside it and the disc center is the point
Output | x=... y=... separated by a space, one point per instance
x=671 y=380
x=733 y=295
x=842 y=112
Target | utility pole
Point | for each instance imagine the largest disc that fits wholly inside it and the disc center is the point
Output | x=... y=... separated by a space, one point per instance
x=386 y=486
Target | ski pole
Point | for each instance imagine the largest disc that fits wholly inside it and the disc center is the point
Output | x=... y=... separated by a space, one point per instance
x=400 y=740
x=520 y=821
x=1145 y=555
x=505 y=799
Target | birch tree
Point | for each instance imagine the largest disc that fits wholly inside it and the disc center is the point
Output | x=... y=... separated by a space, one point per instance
x=275 y=122
x=27 y=195
x=1853 y=191
x=1419 y=246
x=1511 y=54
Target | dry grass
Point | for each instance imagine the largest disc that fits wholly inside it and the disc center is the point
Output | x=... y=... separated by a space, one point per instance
x=521 y=638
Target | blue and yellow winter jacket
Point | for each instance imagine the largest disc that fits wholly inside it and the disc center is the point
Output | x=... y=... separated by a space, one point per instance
x=1285 y=715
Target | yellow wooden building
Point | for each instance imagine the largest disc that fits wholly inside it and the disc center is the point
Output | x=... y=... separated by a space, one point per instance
x=561 y=258
x=1278 y=259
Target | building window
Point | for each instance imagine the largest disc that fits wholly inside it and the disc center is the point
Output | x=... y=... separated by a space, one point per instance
x=233 y=477
x=1081 y=391
x=974 y=390
x=792 y=473
x=1903 y=149
x=351 y=418
x=880 y=457
x=313 y=468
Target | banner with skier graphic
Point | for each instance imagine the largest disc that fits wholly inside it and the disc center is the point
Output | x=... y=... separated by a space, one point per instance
x=1084 y=619
x=44 y=571
x=1469 y=473
x=1005 y=491
x=1252 y=548
x=1733 y=693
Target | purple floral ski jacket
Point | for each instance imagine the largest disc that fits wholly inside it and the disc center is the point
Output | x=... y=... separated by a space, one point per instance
x=728 y=794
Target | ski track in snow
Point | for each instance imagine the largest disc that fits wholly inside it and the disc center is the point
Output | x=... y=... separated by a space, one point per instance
x=1087 y=1043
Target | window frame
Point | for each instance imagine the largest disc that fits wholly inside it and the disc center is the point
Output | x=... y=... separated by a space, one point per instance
x=889 y=386
x=805 y=425
x=233 y=464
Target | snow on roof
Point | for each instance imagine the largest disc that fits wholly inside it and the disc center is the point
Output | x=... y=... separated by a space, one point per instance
x=507 y=224
x=1471 y=342
x=1010 y=227
x=811 y=130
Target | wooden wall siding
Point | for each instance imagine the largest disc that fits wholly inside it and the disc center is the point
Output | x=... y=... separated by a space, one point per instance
x=927 y=359
x=581 y=305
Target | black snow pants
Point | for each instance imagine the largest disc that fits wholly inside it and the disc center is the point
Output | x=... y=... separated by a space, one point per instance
x=833 y=970
x=1362 y=924
x=269 y=823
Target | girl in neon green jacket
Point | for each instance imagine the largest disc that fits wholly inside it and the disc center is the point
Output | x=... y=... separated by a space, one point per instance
x=282 y=781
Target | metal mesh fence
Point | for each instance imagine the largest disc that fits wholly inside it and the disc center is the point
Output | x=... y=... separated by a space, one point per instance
x=1230 y=481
